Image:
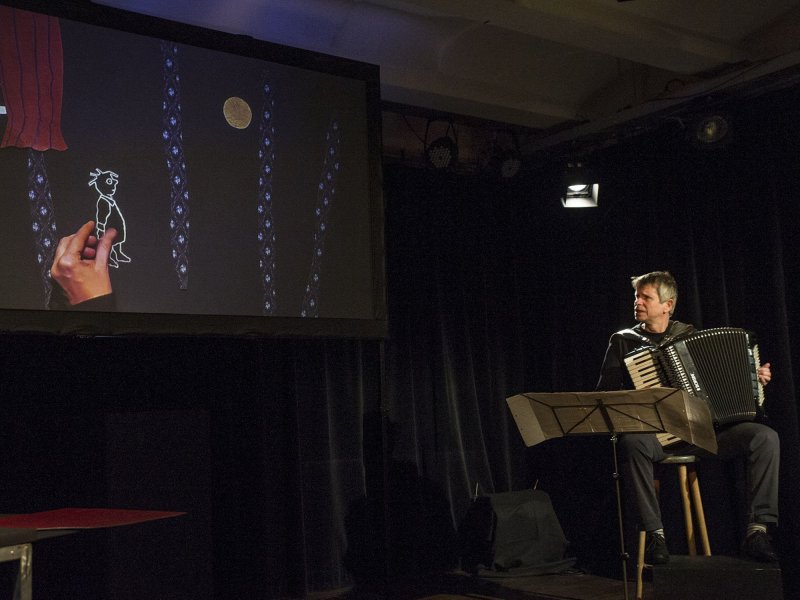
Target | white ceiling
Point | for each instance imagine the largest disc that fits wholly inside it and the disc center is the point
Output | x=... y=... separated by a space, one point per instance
x=539 y=64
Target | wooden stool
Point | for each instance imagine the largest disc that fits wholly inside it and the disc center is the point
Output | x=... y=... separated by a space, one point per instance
x=690 y=494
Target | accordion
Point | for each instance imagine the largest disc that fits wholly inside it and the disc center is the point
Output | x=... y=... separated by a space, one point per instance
x=718 y=365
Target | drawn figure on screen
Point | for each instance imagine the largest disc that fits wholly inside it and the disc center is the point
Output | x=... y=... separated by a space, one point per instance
x=108 y=213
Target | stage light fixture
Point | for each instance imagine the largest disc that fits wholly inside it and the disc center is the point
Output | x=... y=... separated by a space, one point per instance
x=503 y=164
x=582 y=187
x=442 y=153
x=502 y=160
x=510 y=164
x=581 y=196
x=710 y=131
x=508 y=159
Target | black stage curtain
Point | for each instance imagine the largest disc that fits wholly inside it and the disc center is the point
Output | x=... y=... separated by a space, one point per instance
x=258 y=441
x=310 y=464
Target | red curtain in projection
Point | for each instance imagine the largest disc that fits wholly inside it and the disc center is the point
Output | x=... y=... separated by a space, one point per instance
x=32 y=79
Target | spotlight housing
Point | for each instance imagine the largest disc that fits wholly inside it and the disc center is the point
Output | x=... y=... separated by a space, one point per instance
x=504 y=159
x=510 y=164
x=581 y=196
x=710 y=131
x=582 y=187
x=442 y=153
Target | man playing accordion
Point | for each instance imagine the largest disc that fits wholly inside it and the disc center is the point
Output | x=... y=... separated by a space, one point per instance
x=750 y=441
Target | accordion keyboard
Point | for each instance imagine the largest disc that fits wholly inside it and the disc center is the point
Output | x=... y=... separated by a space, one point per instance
x=667 y=439
x=644 y=370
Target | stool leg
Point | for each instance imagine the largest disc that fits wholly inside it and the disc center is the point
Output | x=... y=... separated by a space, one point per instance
x=694 y=485
x=640 y=565
x=687 y=510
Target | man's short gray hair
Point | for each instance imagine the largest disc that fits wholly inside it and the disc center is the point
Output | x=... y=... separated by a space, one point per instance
x=664 y=283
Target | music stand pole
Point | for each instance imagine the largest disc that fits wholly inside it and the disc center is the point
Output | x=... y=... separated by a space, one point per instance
x=622 y=552
x=623 y=555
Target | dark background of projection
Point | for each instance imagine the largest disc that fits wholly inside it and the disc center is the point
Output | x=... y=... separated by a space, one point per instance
x=112 y=120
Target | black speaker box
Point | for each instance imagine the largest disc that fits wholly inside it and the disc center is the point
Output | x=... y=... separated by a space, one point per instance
x=716 y=577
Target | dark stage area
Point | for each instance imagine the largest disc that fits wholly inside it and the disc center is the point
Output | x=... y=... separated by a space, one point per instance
x=718 y=582
x=321 y=466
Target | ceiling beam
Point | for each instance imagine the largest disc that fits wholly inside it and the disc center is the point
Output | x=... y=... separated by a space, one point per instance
x=781 y=72
x=586 y=25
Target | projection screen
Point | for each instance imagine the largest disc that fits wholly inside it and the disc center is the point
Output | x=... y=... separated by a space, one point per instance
x=241 y=179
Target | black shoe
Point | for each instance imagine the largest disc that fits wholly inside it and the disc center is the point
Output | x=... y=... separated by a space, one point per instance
x=655 y=549
x=757 y=546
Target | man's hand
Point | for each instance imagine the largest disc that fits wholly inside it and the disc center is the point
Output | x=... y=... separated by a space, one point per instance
x=764 y=374
x=80 y=265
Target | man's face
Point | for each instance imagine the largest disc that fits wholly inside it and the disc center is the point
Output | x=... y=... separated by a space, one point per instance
x=647 y=306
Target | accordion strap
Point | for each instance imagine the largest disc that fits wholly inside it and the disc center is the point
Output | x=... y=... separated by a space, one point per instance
x=675 y=331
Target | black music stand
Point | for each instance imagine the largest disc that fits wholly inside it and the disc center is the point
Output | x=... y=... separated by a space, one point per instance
x=543 y=416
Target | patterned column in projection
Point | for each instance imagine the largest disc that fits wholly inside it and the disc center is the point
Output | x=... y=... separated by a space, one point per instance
x=266 y=221
x=326 y=191
x=176 y=164
x=43 y=222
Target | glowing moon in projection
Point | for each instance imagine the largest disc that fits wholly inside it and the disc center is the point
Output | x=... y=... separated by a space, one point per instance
x=237 y=112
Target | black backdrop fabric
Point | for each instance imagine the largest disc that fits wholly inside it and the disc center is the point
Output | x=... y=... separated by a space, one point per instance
x=311 y=464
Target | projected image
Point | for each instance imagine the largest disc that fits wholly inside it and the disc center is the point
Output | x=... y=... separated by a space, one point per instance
x=233 y=185
x=108 y=214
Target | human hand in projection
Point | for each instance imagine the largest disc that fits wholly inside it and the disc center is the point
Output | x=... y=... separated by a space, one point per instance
x=80 y=265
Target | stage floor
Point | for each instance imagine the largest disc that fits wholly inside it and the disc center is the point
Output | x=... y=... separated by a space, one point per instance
x=719 y=578
x=457 y=585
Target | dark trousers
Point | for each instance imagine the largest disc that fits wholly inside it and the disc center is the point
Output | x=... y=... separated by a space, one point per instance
x=755 y=444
